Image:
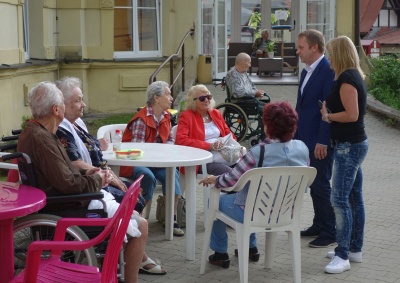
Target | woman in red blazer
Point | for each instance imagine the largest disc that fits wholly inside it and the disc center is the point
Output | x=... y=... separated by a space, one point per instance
x=200 y=125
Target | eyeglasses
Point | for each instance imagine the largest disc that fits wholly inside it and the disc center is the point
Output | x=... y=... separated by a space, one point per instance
x=203 y=97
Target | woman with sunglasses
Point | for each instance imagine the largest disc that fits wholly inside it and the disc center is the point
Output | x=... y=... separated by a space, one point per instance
x=200 y=125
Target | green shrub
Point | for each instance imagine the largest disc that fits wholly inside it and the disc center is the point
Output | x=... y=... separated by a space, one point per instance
x=385 y=80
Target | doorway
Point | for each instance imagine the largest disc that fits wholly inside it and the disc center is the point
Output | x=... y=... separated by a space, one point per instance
x=227 y=21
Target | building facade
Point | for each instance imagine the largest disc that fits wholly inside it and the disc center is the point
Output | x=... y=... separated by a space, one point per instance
x=112 y=45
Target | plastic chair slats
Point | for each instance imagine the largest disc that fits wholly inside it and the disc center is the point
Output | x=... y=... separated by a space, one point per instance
x=273 y=205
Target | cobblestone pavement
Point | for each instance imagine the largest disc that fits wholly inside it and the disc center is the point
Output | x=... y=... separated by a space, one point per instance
x=382 y=232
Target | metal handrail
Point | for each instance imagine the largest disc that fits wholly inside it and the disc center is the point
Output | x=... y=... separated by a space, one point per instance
x=170 y=59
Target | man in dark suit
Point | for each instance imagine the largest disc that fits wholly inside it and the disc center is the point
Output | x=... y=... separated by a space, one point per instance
x=315 y=84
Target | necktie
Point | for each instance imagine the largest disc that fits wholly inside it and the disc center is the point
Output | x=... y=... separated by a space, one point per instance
x=303 y=75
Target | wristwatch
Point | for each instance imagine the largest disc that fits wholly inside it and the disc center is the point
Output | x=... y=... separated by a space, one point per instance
x=326 y=118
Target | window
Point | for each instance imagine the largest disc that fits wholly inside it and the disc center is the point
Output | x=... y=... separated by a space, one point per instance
x=136 y=28
x=25 y=26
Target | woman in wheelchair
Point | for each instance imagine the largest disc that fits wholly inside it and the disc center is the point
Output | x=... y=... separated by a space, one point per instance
x=56 y=175
x=280 y=121
x=200 y=126
x=84 y=150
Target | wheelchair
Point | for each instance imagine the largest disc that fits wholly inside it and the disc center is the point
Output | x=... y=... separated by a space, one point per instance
x=242 y=115
x=41 y=225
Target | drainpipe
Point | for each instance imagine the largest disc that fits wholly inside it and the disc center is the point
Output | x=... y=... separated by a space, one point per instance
x=57 y=33
x=357 y=25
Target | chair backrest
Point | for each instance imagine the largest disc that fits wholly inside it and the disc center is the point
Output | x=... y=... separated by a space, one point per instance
x=173 y=131
x=275 y=194
x=118 y=227
x=25 y=167
x=6 y=165
x=108 y=131
x=238 y=47
x=228 y=92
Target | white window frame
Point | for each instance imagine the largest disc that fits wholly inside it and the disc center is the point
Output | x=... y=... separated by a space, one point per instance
x=136 y=53
x=25 y=19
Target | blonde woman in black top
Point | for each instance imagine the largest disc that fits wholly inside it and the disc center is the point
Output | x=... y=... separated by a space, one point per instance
x=345 y=108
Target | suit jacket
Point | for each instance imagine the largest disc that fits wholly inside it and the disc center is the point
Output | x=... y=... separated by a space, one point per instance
x=311 y=129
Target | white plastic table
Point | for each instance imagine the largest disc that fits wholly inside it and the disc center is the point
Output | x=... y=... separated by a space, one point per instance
x=170 y=156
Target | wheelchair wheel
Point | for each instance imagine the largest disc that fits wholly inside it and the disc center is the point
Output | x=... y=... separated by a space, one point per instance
x=253 y=141
x=42 y=227
x=235 y=118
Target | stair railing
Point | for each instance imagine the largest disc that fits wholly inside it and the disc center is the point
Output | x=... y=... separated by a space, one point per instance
x=170 y=60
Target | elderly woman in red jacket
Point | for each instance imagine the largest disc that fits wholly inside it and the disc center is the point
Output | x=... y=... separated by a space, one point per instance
x=200 y=125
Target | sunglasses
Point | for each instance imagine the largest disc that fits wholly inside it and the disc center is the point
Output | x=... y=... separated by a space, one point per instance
x=203 y=97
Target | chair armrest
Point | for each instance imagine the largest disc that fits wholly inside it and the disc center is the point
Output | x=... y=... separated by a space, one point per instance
x=10 y=138
x=64 y=223
x=36 y=249
x=74 y=197
x=245 y=99
x=6 y=147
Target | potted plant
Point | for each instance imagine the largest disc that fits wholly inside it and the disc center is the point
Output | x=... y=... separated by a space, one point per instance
x=270 y=47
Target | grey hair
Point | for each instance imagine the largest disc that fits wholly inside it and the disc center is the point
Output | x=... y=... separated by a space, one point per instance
x=155 y=89
x=264 y=31
x=67 y=84
x=192 y=93
x=42 y=98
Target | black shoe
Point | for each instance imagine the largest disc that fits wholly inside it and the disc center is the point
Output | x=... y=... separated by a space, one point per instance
x=254 y=255
x=322 y=243
x=220 y=259
x=310 y=232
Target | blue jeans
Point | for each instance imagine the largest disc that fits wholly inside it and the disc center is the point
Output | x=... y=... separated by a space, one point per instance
x=149 y=181
x=219 y=237
x=324 y=216
x=346 y=197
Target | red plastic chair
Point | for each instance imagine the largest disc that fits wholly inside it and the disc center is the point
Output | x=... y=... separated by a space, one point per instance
x=55 y=270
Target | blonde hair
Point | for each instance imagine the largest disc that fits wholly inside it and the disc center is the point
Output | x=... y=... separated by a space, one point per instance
x=192 y=93
x=343 y=55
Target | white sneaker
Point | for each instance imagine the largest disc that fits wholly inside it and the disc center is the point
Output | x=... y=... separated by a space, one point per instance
x=337 y=265
x=353 y=257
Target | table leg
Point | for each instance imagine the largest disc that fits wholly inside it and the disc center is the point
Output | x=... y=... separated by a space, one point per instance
x=6 y=250
x=169 y=201
x=190 y=185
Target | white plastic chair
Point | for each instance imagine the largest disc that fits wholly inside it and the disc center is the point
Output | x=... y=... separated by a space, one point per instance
x=273 y=205
x=108 y=131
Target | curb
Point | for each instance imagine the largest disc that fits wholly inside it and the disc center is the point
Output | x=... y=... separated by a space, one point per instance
x=379 y=108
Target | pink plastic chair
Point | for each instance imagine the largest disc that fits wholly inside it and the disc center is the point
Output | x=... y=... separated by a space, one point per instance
x=55 y=270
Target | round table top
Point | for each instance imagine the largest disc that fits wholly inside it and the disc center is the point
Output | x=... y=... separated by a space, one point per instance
x=18 y=200
x=161 y=155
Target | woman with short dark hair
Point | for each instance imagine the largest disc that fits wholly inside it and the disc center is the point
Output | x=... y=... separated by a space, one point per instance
x=280 y=124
